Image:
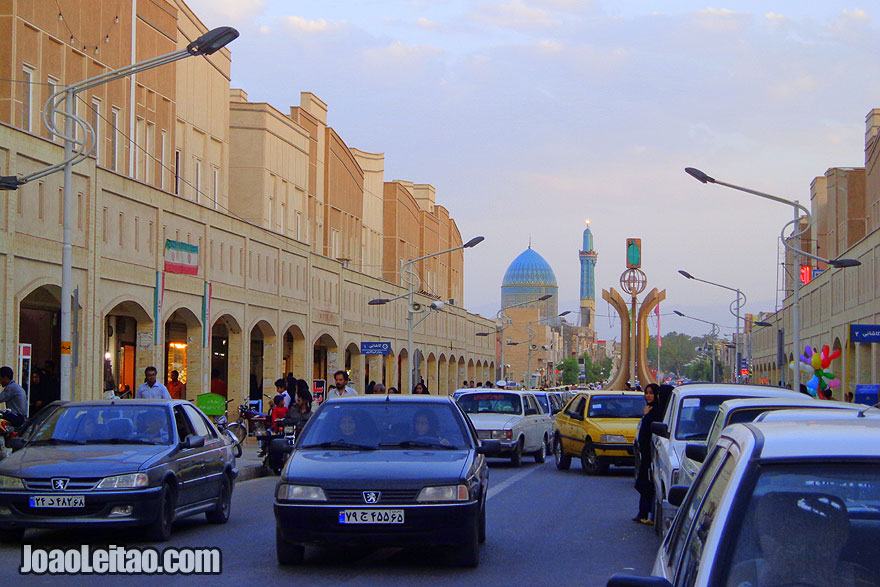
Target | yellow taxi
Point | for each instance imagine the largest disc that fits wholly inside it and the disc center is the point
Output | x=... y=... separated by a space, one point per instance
x=598 y=427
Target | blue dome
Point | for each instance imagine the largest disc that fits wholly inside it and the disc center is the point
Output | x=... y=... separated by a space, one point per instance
x=529 y=269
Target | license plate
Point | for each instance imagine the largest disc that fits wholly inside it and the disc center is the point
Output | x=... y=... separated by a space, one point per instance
x=371 y=516
x=58 y=501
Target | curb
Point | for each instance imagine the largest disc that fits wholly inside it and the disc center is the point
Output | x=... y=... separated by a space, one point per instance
x=249 y=471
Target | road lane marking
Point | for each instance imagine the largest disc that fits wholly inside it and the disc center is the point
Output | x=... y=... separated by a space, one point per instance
x=496 y=489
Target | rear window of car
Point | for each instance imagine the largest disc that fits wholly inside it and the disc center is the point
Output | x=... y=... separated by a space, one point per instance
x=696 y=415
x=616 y=406
x=491 y=403
x=545 y=403
x=114 y=424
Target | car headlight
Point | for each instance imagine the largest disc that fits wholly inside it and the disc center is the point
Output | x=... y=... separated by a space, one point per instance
x=444 y=493
x=131 y=481
x=615 y=438
x=674 y=477
x=502 y=434
x=289 y=492
x=7 y=482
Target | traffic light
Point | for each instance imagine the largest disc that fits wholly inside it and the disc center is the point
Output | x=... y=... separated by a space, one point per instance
x=633 y=253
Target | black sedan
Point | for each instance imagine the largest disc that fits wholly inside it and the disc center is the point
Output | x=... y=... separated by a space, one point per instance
x=384 y=470
x=116 y=463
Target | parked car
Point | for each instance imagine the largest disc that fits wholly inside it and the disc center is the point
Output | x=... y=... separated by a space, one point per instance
x=774 y=505
x=116 y=464
x=818 y=414
x=599 y=428
x=514 y=418
x=397 y=470
x=551 y=402
x=688 y=418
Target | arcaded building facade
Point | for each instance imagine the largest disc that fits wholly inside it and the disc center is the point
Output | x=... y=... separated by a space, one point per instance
x=296 y=231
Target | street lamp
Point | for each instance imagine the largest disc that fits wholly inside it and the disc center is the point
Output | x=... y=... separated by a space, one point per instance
x=837 y=263
x=77 y=151
x=412 y=280
x=506 y=323
x=739 y=304
x=715 y=331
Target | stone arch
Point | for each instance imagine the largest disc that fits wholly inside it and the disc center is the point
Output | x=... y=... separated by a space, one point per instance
x=354 y=366
x=182 y=351
x=325 y=357
x=442 y=375
x=471 y=370
x=294 y=352
x=461 y=374
x=263 y=360
x=127 y=344
x=402 y=371
x=227 y=372
x=431 y=373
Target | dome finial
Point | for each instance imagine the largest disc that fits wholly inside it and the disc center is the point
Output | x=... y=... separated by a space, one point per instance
x=530 y=241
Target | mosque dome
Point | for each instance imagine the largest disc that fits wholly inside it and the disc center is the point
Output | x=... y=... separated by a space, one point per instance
x=529 y=269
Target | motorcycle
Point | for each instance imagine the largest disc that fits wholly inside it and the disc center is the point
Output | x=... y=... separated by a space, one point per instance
x=10 y=422
x=228 y=430
x=257 y=421
x=280 y=447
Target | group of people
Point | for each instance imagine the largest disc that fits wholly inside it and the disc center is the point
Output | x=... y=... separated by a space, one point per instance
x=656 y=401
x=43 y=390
x=471 y=385
x=291 y=406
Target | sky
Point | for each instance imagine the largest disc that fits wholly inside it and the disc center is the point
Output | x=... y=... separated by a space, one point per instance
x=531 y=116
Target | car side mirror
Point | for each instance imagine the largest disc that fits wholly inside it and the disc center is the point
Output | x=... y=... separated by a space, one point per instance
x=193 y=441
x=488 y=446
x=16 y=443
x=696 y=452
x=633 y=581
x=660 y=429
x=676 y=494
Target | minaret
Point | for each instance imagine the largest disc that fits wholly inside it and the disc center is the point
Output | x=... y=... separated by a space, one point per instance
x=588 y=281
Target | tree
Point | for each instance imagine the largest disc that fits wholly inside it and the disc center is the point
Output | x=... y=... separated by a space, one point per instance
x=677 y=351
x=570 y=371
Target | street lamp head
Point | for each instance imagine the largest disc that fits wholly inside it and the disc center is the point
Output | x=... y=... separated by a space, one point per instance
x=566 y=313
x=212 y=41
x=699 y=175
x=482 y=334
x=679 y=313
x=474 y=242
x=685 y=273
x=545 y=297
x=378 y=302
x=841 y=263
x=761 y=323
x=511 y=343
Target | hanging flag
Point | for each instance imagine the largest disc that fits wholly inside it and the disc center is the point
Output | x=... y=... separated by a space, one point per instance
x=181 y=257
x=659 y=338
x=158 y=298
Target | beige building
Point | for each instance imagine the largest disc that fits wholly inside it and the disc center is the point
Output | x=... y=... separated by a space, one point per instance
x=295 y=231
x=845 y=205
x=534 y=348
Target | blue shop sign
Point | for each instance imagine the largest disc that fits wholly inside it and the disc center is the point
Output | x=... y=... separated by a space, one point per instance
x=375 y=348
x=867 y=394
x=864 y=332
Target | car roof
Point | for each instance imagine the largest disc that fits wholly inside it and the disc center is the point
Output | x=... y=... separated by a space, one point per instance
x=592 y=392
x=852 y=437
x=737 y=389
x=126 y=402
x=822 y=412
x=804 y=401
x=392 y=397
x=497 y=390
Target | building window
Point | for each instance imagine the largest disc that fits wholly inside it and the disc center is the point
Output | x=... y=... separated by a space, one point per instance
x=114 y=139
x=162 y=161
x=95 y=122
x=298 y=220
x=26 y=95
x=334 y=243
x=198 y=180
x=215 y=184
x=52 y=87
x=139 y=136
x=151 y=147
x=177 y=172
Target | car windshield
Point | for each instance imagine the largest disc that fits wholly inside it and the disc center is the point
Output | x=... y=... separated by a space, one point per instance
x=810 y=524
x=111 y=424
x=385 y=425
x=545 y=403
x=616 y=406
x=696 y=416
x=491 y=403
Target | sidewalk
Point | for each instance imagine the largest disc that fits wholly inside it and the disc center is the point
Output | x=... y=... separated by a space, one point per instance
x=250 y=466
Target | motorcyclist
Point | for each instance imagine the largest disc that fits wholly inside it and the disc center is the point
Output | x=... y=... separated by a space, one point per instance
x=14 y=397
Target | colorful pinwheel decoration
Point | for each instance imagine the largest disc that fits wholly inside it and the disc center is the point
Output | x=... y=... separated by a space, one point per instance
x=819 y=362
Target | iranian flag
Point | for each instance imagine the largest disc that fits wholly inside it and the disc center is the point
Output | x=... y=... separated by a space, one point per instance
x=181 y=258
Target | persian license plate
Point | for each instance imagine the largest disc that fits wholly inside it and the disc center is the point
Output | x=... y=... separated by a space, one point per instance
x=58 y=501
x=371 y=516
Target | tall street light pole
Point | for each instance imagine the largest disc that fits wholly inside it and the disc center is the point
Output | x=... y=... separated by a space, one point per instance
x=740 y=302
x=837 y=263
x=502 y=317
x=76 y=151
x=412 y=280
x=715 y=331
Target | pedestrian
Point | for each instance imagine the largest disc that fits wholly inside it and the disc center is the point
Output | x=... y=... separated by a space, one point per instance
x=379 y=388
x=281 y=389
x=464 y=384
x=849 y=397
x=393 y=390
x=291 y=388
x=420 y=389
x=150 y=388
x=279 y=412
x=643 y=484
x=13 y=396
x=472 y=384
x=41 y=395
x=489 y=384
x=218 y=386
x=371 y=387
x=341 y=387
x=176 y=387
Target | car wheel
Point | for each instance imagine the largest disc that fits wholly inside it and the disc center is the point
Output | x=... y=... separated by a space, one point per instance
x=541 y=454
x=287 y=552
x=12 y=535
x=590 y=463
x=482 y=537
x=220 y=513
x=160 y=530
x=563 y=461
x=467 y=554
x=516 y=457
x=658 y=517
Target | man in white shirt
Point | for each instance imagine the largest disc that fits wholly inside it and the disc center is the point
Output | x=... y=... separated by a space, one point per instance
x=341 y=388
x=151 y=389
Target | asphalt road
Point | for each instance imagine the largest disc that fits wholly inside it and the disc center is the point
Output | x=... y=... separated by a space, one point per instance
x=545 y=527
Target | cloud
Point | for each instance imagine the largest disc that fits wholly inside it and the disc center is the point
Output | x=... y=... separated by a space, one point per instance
x=515 y=14
x=399 y=57
x=857 y=14
x=775 y=17
x=226 y=11
x=794 y=87
x=549 y=46
x=304 y=25
x=426 y=23
x=721 y=20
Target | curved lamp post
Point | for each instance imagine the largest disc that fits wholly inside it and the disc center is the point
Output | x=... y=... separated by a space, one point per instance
x=837 y=263
x=506 y=322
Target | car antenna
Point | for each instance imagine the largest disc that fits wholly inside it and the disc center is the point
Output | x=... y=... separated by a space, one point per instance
x=387 y=397
x=862 y=412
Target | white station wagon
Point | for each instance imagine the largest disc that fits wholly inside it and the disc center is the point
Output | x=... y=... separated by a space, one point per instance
x=514 y=418
x=778 y=504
